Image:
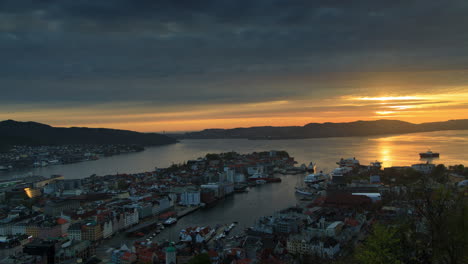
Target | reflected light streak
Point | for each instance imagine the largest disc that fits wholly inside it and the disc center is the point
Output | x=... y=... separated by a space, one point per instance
x=385 y=153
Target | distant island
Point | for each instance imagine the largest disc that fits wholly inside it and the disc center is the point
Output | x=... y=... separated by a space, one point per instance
x=35 y=134
x=316 y=130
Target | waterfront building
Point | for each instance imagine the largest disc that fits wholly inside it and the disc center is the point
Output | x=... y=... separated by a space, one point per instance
x=91 y=231
x=425 y=168
x=107 y=229
x=144 y=210
x=162 y=204
x=130 y=217
x=190 y=197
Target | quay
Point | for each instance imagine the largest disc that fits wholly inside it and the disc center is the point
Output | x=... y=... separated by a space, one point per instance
x=187 y=211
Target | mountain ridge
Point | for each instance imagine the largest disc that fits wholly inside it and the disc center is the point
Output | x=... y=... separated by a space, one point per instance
x=327 y=129
x=32 y=133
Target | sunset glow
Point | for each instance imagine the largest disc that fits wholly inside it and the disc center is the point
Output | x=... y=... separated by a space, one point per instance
x=142 y=116
x=172 y=72
x=388 y=98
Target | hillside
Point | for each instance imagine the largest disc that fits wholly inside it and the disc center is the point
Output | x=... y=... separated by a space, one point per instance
x=32 y=133
x=316 y=130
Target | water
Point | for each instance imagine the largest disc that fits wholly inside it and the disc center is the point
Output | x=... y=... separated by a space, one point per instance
x=244 y=208
x=393 y=150
x=396 y=150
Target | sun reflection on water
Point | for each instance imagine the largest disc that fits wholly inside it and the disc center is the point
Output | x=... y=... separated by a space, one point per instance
x=385 y=153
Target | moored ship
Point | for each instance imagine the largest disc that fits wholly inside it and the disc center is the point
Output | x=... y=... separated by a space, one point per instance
x=429 y=154
x=170 y=221
x=305 y=190
x=316 y=178
x=261 y=178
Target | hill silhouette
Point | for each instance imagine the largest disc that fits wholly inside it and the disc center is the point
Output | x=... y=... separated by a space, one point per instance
x=32 y=133
x=316 y=130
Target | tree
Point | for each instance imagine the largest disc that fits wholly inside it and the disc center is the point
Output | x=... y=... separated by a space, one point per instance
x=439 y=174
x=211 y=156
x=122 y=184
x=381 y=247
x=200 y=259
x=442 y=214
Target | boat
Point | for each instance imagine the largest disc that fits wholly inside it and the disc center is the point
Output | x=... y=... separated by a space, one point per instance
x=229 y=228
x=258 y=176
x=220 y=236
x=429 y=154
x=260 y=181
x=316 y=178
x=170 y=221
x=349 y=162
x=304 y=191
x=311 y=167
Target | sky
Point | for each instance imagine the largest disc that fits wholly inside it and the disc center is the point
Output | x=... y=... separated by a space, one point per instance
x=184 y=65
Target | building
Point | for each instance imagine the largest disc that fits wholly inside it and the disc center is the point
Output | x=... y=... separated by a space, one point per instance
x=131 y=217
x=56 y=208
x=107 y=229
x=73 y=249
x=190 y=197
x=45 y=249
x=91 y=231
x=321 y=247
x=425 y=168
x=171 y=254
x=74 y=231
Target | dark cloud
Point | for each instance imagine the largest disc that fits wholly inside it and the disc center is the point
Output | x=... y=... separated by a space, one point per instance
x=196 y=51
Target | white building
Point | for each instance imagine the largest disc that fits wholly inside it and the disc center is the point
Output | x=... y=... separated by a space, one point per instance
x=18 y=228
x=107 y=229
x=230 y=174
x=131 y=217
x=162 y=204
x=425 y=168
x=239 y=177
x=190 y=197
x=304 y=245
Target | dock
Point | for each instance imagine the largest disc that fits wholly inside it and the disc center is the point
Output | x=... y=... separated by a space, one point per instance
x=187 y=211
